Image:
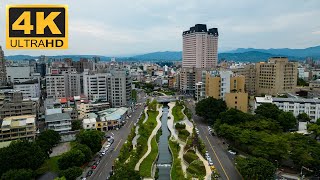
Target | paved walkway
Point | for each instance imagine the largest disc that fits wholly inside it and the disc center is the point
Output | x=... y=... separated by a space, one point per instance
x=206 y=165
x=135 y=139
x=153 y=134
x=146 y=114
x=60 y=149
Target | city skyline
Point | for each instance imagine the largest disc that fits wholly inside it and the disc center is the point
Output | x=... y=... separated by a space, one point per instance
x=148 y=26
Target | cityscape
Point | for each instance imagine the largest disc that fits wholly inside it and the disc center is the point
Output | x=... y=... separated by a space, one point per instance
x=195 y=114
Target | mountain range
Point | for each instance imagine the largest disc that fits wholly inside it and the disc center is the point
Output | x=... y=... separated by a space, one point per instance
x=240 y=54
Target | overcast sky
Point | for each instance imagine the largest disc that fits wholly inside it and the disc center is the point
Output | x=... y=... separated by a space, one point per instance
x=127 y=27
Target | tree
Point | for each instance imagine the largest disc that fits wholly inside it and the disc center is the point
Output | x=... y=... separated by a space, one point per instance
x=85 y=150
x=72 y=158
x=153 y=105
x=302 y=82
x=268 y=110
x=287 y=121
x=71 y=173
x=314 y=129
x=91 y=138
x=48 y=139
x=210 y=109
x=255 y=168
x=234 y=116
x=303 y=117
x=76 y=125
x=21 y=155
x=124 y=173
x=17 y=174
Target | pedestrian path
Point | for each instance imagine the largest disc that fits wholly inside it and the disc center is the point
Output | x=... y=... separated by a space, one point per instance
x=206 y=165
x=135 y=139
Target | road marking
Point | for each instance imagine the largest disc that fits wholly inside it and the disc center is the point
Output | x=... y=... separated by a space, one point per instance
x=118 y=145
x=106 y=164
x=100 y=174
x=217 y=158
x=130 y=124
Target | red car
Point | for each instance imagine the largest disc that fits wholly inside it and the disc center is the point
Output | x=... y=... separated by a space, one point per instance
x=94 y=166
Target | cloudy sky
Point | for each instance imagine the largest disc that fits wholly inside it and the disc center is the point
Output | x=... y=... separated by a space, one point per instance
x=127 y=27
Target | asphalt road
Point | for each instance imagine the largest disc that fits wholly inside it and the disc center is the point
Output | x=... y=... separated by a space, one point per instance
x=221 y=158
x=103 y=169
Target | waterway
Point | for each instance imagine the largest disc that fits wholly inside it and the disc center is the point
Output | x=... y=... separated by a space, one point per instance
x=164 y=160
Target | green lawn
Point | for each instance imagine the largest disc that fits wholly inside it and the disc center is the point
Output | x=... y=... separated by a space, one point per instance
x=176 y=169
x=197 y=169
x=49 y=165
x=190 y=156
x=176 y=112
x=146 y=165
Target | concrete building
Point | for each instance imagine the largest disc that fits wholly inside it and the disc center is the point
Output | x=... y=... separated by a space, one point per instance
x=18 y=127
x=92 y=107
x=29 y=89
x=200 y=91
x=95 y=86
x=294 y=105
x=200 y=47
x=315 y=84
x=60 y=122
x=119 y=88
x=82 y=65
x=229 y=87
x=278 y=76
x=12 y=104
x=89 y=124
x=3 y=73
x=20 y=74
x=63 y=85
x=249 y=72
x=187 y=80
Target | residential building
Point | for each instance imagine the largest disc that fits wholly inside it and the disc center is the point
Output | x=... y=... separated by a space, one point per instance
x=29 y=89
x=95 y=86
x=92 y=107
x=295 y=105
x=119 y=88
x=3 y=73
x=18 y=128
x=277 y=76
x=249 y=72
x=187 y=80
x=12 y=104
x=315 y=84
x=200 y=91
x=200 y=47
x=106 y=120
x=82 y=65
x=229 y=87
x=60 y=122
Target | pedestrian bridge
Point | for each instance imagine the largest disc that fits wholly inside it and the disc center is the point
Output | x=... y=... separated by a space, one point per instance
x=166 y=99
x=163 y=165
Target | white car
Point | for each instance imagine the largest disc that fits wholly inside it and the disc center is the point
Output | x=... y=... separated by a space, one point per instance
x=232 y=152
x=210 y=163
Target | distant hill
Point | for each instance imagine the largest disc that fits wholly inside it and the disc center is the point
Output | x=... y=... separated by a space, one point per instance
x=241 y=54
x=301 y=53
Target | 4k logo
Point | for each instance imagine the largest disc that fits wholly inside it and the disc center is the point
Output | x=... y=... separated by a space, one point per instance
x=37 y=27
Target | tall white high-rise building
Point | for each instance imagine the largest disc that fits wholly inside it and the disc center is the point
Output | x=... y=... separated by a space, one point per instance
x=200 y=47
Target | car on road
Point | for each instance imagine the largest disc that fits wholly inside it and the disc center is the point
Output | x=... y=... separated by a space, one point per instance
x=94 y=166
x=98 y=162
x=210 y=163
x=83 y=178
x=89 y=173
x=103 y=153
x=232 y=152
x=111 y=141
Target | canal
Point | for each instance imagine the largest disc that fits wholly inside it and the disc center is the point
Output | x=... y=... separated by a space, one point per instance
x=164 y=160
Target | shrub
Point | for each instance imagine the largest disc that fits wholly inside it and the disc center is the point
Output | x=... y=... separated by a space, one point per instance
x=190 y=156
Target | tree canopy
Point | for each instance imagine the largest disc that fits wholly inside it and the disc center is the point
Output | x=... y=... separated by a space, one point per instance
x=71 y=173
x=17 y=174
x=124 y=173
x=268 y=110
x=76 y=125
x=303 y=117
x=287 y=121
x=48 y=139
x=210 y=109
x=72 y=158
x=91 y=138
x=255 y=168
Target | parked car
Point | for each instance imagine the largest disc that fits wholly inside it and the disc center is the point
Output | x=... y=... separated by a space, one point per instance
x=94 y=166
x=98 y=162
x=111 y=141
x=232 y=152
x=89 y=173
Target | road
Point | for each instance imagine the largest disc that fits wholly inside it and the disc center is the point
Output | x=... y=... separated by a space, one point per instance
x=221 y=158
x=103 y=169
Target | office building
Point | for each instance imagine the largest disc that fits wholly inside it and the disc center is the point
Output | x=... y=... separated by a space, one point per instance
x=12 y=104
x=277 y=76
x=295 y=105
x=200 y=47
x=18 y=128
x=95 y=86
x=3 y=73
x=19 y=74
x=229 y=87
x=119 y=88
x=60 y=122
x=82 y=65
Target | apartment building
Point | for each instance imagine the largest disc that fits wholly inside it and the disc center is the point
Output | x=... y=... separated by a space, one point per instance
x=315 y=84
x=200 y=91
x=20 y=74
x=3 y=73
x=29 y=89
x=60 y=122
x=294 y=105
x=200 y=47
x=229 y=87
x=95 y=86
x=187 y=80
x=12 y=104
x=277 y=76
x=119 y=88
x=63 y=85
x=92 y=107
x=18 y=128
x=249 y=72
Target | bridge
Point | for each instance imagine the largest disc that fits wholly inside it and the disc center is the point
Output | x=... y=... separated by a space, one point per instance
x=166 y=99
x=163 y=165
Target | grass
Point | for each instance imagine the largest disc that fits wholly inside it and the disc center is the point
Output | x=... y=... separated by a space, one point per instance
x=190 y=156
x=176 y=169
x=197 y=169
x=146 y=165
x=177 y=112
x=49 y=165
x=188 y=113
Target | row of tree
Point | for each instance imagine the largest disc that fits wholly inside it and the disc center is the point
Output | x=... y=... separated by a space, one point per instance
x=265 y=136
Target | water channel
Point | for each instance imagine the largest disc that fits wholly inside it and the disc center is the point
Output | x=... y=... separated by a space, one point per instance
x=164 y=161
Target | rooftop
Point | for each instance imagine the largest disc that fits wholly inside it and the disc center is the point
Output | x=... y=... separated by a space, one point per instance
x=270 y=99
x=17 y=121
x=112 y=114
x=57 y=117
